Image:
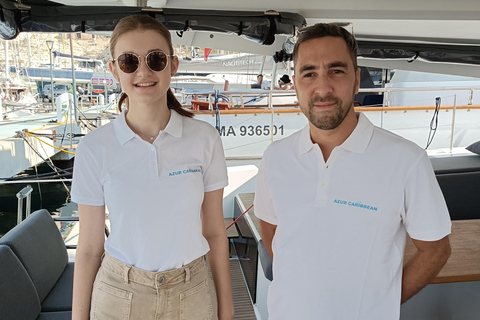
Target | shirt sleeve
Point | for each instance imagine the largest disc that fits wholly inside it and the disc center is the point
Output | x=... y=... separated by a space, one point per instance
x=426 y=216
x=86 y=184
x=215 y=174
x=263 y=201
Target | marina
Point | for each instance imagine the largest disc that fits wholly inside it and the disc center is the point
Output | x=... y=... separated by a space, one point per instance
x=420 y=80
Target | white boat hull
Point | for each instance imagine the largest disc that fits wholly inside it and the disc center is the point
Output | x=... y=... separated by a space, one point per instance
x=247 y=132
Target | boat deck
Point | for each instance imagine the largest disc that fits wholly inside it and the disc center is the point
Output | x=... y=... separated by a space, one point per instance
x=20 y=152
x=464 y=262
x=9 y=127
x=241 y=298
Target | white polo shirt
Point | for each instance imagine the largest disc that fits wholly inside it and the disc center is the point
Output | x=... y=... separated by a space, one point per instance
x=340 y=237
x=153 y=192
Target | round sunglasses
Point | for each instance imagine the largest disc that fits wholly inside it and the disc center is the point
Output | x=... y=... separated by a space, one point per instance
x=155 y=60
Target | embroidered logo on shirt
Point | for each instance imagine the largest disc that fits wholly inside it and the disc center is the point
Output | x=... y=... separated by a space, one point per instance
x=180 y=172
x=355 y=204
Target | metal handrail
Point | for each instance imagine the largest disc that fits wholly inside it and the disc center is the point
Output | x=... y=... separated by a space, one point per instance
x=385 y=91
x=34 y=181
x=22 y=194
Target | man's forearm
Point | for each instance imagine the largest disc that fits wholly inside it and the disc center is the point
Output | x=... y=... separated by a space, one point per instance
x=268 y=232
x=423 y=266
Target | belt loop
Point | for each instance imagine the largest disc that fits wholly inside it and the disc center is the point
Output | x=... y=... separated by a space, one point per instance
x=126 y=271
x=187 y=275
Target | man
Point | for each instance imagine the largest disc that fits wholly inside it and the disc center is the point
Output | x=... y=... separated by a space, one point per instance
x=260 y=79
x=80 y=92
x=338 y=197
x=261 y=84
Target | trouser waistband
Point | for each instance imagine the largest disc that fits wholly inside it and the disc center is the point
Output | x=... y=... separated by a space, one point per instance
x=156 y=279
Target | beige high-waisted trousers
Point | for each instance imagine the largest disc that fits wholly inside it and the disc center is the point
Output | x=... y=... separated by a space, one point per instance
x=123 y=292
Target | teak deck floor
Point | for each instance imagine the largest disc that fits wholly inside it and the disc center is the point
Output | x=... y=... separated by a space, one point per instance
x=241 y=298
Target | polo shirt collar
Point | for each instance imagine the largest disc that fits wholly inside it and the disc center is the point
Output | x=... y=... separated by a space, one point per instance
x=362 y=134
x=357 y=141
x=124 y=133
x=175 y=124
x=122 y=130
x=305 y=144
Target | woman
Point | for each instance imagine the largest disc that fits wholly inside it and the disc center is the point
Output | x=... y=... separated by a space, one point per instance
x=161 y=174
x=284 y=83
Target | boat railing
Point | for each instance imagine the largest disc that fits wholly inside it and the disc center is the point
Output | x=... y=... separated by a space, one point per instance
x=387 y=91
x=24 y=181
x=254 y=98
x=287 y=98
x=24 y=194
x=24 y=207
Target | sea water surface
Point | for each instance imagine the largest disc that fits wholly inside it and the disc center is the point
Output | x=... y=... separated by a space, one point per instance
x=52 y=196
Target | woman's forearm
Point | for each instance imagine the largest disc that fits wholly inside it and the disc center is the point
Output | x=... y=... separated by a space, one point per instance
x=86 y=268
x=88 y=258
x=218 y=259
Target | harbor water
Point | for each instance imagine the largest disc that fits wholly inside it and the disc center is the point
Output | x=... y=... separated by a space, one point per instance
x=52 y=196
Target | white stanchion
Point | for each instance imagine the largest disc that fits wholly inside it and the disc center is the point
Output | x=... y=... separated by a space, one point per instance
x=112 y=98
x=62 y=102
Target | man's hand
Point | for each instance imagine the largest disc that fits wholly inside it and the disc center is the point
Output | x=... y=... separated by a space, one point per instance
x=268 y=231
x=424 y=265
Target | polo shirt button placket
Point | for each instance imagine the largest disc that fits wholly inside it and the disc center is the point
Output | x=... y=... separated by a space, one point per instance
x=321 y=196
x=154 y=162
x=153 y=159
x=153 y=150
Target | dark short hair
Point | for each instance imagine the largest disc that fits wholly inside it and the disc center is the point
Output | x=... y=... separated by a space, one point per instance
x=321 y=30
x=285 y=78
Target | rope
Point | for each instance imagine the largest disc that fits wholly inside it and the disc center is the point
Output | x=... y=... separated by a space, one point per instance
x=50 y=164
x=434 y=122
x=48 y=144
x=41 y=176
x=54 y=169
x=56 y=135
x=231 y=224
x=217 y=112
